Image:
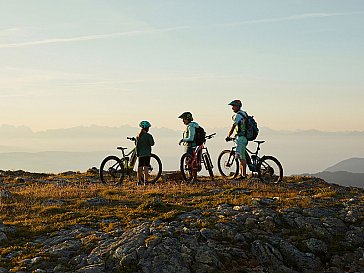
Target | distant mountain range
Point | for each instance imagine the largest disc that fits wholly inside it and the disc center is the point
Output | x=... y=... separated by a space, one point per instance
x=349 y=172
x=352 y=165
x=300 y=151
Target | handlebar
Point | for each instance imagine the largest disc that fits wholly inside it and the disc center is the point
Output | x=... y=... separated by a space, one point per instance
x=210 y=136
x=131 y=138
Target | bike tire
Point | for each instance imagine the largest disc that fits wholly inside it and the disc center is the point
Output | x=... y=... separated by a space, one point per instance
x=188 y=171
x=270 y=170
x=208 y=165
x=111 y=171
x=228 y=164
x=155 y=169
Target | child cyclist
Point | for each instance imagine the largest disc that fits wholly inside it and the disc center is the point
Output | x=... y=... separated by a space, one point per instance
x=144 y=143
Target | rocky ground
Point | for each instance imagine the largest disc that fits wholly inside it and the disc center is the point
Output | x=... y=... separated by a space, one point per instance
x=263 y=236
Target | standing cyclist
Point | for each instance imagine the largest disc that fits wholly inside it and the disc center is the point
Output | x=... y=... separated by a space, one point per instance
x=144 y=145
x=239 y=127
x=188 y=139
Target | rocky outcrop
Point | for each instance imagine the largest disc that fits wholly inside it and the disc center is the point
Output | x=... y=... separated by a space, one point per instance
x=224 y=239
x=3 y=237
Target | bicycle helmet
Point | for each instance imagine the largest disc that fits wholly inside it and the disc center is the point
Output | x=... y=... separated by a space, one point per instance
x=186 y=115
x=236 y=103
x=145 y=124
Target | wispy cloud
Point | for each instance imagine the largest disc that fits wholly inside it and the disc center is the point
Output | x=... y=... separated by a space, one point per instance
x=291 y=18
x=90 y=37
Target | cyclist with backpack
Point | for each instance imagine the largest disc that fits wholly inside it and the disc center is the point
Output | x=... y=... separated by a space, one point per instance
x=189 y=135
x=240 y=129
x=144 y=143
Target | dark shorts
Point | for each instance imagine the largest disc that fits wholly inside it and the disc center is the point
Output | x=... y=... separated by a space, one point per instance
x=144 y=161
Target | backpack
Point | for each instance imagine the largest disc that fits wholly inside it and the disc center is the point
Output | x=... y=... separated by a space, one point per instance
x=200 y=136
x=251 y=127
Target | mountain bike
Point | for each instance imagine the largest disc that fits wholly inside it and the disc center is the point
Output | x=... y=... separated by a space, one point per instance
x=190 y=165
x=268 y=168
x=113 y=169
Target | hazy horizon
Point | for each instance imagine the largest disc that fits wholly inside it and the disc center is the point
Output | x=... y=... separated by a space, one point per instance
x=307 y=151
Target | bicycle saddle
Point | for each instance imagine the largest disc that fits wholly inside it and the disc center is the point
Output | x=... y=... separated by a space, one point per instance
x=259 y=141
x=121 y=148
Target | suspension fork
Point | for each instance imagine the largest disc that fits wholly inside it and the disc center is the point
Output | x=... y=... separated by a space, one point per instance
x=232 y=156
x=208 y=157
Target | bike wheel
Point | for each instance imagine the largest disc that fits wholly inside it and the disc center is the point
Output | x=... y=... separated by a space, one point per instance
x=228 y=164
x=208 y=164
x=270 y=170
x=188 y=171
x=111 y=170
x=155 y=168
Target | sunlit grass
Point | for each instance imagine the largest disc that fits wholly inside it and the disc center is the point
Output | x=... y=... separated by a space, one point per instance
x=49 y=203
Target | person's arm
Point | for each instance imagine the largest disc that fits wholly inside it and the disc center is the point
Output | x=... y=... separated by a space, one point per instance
x=231 y=130
x=151 y=141
x=237 y=120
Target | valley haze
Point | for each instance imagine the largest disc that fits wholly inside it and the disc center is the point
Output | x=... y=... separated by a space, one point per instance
x=82 y=147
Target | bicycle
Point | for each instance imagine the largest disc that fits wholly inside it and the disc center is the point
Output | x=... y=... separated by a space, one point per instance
x=268 y=168
x=113 y=169
x=190 y=165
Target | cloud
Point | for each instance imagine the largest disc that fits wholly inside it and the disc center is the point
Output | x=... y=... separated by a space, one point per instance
x=89 y=37
x=291 y=18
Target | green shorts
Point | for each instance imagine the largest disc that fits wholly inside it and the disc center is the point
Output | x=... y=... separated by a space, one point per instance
x=241 y=143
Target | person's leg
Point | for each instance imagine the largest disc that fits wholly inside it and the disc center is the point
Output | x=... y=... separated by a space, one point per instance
x=141 y=164
x=146 y=166
x=189 y=150
x=243 y=157
x=145 y=171
x=140 y=171
x=241 y=150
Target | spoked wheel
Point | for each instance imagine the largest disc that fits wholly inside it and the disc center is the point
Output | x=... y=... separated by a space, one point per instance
x=228 y=164
x=270 y=170
x=155 y=169
x=188 y=170
x=111 y=170
x=208 y=164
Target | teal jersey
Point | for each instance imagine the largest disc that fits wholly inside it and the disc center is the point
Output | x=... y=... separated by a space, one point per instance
x=144 y=145
x=239 y=122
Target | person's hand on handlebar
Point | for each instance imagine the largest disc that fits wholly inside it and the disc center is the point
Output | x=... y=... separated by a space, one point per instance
x=227 y=139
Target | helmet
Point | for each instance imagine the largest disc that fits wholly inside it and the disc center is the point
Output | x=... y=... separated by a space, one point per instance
x=236 y=103
x=144 y=124
x=186 y=115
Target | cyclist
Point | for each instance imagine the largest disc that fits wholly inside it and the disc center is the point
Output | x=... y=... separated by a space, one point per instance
x=239 y=127
x=144 y=143
x=188 y=139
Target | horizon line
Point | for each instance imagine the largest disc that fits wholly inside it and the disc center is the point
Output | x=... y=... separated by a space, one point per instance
x=163 y=127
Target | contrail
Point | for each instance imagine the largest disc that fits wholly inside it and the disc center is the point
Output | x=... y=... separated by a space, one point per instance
x=89 y=37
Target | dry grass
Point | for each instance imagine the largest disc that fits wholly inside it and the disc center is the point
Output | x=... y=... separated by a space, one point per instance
x=36 y=207
x=45 y=203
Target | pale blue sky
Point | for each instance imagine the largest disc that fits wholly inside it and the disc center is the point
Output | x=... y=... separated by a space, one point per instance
x=296 y=64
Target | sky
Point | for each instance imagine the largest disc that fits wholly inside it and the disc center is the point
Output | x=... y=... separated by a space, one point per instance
x=295 y=64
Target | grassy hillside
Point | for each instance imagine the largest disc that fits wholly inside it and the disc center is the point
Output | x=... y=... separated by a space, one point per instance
x=35 y=204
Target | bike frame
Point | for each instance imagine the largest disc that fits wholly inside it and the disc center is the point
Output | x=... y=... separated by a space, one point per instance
x=130 y=158
x=198 y=155
x=252 y=158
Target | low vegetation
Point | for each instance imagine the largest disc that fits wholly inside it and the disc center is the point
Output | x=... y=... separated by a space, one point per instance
x=36 y=204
